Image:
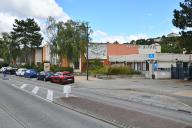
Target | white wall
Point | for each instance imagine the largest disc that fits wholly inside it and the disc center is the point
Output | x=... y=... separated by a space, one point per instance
x=147 y=49
x=38 y=56
x=162 y=74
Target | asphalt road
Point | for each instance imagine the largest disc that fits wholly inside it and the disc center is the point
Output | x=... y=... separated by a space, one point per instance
x=38 y=90
x=19 y=109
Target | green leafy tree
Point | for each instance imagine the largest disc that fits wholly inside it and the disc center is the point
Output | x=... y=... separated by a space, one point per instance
x=183 y=20
x=9 y=48
x=71 y=40
x=170 y=45
x=51 y=33
x=27 y=34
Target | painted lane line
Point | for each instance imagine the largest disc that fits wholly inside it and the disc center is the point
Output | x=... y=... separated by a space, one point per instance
x=35 y=90
x=23 y=86
x=50 y=95
x=31 y=94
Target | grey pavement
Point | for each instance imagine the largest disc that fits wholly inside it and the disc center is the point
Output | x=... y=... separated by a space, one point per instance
x=121 y=93
x=168 y=94
x=19 y=109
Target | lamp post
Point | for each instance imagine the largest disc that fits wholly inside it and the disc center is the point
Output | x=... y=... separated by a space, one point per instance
x=87 y=48
x=87 y=55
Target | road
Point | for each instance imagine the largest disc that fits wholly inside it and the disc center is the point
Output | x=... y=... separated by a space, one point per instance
x=19 y=109
x=47 y=92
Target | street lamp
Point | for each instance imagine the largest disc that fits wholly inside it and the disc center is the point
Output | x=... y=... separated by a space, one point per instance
x=87 y=33
x=87 y=48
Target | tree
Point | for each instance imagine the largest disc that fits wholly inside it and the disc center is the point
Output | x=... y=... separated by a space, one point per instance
x=51 y=33
x=183 y=20
x=71 y=40
x=115 y=42
x=27 y=34
x=9 y=48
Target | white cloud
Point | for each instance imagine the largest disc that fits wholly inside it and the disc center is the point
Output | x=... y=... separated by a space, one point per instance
x=99 y=36
x=33 y=8
x=20 y=9
x=175 y=30
x=6 y=22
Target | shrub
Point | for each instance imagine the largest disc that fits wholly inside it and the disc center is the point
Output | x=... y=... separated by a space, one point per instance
x=113 y=71
x=55 y=68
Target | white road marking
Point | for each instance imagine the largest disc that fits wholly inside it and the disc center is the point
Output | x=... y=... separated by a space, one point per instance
x=30 y=93
x=35 y=90
x=50 y=95
x=23 y=86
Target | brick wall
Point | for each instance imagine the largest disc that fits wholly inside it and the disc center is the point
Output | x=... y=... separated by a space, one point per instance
x=121 y=49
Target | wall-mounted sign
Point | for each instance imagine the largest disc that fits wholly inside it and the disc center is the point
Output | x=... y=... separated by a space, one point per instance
x=151 y=56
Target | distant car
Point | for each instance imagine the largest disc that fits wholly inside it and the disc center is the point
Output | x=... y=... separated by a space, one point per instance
x=45 y=76
x=3 y=69
x=30 y=73
x=11 y=71
x=62 y=77
x=20 y=72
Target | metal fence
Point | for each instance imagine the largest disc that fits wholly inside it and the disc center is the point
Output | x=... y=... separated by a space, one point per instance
x=179 y=72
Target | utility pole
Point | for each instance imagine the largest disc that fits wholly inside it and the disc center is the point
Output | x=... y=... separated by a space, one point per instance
x=87 y=55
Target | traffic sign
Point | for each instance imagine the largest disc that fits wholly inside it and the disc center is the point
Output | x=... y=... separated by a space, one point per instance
x=151 y=56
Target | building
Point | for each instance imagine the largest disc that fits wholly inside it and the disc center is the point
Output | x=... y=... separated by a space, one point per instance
x=160 y=65
x=148 y=49
x=38 y=57
x=172 y=35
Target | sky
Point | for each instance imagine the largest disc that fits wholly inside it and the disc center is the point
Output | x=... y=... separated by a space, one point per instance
x=110 y=20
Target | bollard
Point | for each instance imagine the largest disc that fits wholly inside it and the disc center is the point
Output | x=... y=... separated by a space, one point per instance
x=67 y=90
x=5 y=76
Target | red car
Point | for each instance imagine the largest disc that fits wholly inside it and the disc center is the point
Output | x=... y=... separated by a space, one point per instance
x=62 y=77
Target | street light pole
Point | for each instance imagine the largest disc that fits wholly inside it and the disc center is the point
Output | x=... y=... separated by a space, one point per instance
x=87 y=56
x=87 y=48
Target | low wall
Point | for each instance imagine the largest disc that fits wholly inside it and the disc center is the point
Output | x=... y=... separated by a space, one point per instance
x=159 y=75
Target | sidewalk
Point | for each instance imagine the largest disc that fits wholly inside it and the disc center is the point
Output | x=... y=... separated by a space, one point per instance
x=156 y=93
x=117 y=116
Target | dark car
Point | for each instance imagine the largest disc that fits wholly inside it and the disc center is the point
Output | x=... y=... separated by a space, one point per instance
x=62 y=77
x=30 y=73
x=11 y=71
x=45 y=76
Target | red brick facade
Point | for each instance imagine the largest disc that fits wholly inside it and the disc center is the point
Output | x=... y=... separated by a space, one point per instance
x=121 y=49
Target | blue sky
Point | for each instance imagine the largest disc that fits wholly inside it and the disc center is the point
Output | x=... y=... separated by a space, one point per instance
x=111 y=20
x=123 y=19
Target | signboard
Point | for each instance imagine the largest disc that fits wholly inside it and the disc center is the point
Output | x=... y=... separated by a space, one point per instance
x=46 y=66
x=151 y=56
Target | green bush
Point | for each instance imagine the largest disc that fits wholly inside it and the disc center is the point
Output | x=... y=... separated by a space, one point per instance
x=3 y=65
x=39 y=67
x=113 y=71
x=55 y=68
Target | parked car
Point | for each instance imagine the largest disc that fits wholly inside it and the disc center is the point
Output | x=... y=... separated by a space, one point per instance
x=11 y=71
x=30 y=73
x=62 y=77
x=3 y=69
x=44 y=75
x=20 y=72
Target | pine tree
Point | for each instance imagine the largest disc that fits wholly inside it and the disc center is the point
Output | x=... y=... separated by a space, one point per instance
x=27 y=34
